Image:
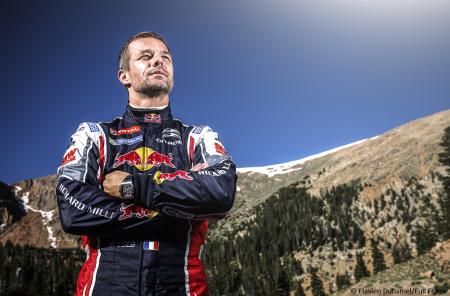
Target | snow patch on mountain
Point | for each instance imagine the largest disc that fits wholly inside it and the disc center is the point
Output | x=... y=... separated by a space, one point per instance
x=47 y=216
x=287 y=167
x=17 y=189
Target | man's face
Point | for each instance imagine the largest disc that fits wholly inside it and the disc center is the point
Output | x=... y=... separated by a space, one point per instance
x=150 y=69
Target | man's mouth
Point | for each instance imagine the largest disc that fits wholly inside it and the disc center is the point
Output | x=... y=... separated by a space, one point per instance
x=159 y=72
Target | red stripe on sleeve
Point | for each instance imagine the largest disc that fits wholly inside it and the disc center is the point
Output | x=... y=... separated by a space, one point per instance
x=191 y=149
x=102 y=159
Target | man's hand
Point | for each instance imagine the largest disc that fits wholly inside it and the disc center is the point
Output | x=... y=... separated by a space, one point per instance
x=112 y=182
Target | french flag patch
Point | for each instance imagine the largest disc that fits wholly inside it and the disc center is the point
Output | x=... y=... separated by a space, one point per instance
x=151 y=246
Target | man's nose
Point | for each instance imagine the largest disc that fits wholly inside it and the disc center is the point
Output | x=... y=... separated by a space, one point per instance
x=157 y=61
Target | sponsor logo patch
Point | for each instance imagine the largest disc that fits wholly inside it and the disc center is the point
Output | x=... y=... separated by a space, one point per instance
x=93 y=127
x=198 y=129
x=144 y=158
x=122 y=244
x=152 y=117
x=212 y=173
x=171 y=133
x=160 y=177
x=132 y=210
x=220 y=149
x=125 y=131
x=173 y=143
x=131 y=141
x=69 y=156
x=69 y=198
x=101 y=212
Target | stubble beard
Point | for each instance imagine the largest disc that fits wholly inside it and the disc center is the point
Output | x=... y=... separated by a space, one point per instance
x=155 y=89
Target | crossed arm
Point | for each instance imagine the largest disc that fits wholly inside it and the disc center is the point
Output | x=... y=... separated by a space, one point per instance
x=87 y=208
x=112 y=181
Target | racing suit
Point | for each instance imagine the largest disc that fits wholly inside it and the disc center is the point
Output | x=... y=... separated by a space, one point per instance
x=150 y=245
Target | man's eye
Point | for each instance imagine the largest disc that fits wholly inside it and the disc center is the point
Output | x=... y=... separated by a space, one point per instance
x=146 y=57
x=167 y=58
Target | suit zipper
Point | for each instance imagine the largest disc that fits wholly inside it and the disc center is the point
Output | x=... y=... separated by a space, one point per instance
x=141 y=245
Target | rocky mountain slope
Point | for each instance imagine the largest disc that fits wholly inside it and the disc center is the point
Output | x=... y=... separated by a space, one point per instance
x=385 y=161
x=428 y=274
x=38 y=223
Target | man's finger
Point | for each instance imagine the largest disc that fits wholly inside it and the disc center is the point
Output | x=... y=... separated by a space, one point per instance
x=112 y=181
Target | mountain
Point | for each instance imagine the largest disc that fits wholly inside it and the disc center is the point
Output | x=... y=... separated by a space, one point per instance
x=35 y=219
x=310 y=226
x=386 y=161
x=344 y=216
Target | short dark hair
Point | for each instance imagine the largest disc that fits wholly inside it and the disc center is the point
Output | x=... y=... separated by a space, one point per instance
x=124 y=56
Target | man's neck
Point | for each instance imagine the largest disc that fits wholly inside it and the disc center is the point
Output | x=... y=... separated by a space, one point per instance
x=148 y=102
x=147 y=108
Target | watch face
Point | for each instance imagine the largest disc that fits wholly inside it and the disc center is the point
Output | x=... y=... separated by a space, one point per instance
x=127 y=190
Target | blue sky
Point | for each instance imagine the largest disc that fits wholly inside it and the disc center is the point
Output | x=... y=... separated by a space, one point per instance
x=279 y=80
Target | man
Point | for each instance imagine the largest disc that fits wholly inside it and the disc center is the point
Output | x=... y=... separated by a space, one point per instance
x=139 y=189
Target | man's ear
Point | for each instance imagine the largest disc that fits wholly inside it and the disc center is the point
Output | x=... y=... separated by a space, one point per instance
x=124 y=78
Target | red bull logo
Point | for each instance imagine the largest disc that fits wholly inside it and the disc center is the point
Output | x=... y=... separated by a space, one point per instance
x=144 y=159
x=160 y=177
x=152 y=117
x=132 y=210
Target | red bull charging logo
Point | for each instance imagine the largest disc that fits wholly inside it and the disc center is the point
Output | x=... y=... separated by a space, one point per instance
x=160 y=177
x=143 y=159
x=132 y=210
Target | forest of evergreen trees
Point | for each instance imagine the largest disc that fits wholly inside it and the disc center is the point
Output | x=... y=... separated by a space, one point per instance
x=444 y=158
x=36 y=271
x=259 y=261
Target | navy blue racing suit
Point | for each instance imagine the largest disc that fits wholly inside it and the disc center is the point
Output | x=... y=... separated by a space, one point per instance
x=150 y=245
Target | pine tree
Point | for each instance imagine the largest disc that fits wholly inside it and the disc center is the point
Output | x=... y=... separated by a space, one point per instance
x=383 y=202
x=299 y=289
x=377 y=257
x=6 y=280
x=401 y=254
x=375 y=206
x=444 y=201
x=425 y=238
x=360 y=268
x=283 y=283
x=316 y=284
x=342 y=280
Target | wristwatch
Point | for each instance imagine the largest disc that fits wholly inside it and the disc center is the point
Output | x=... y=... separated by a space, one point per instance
x=126 y=188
